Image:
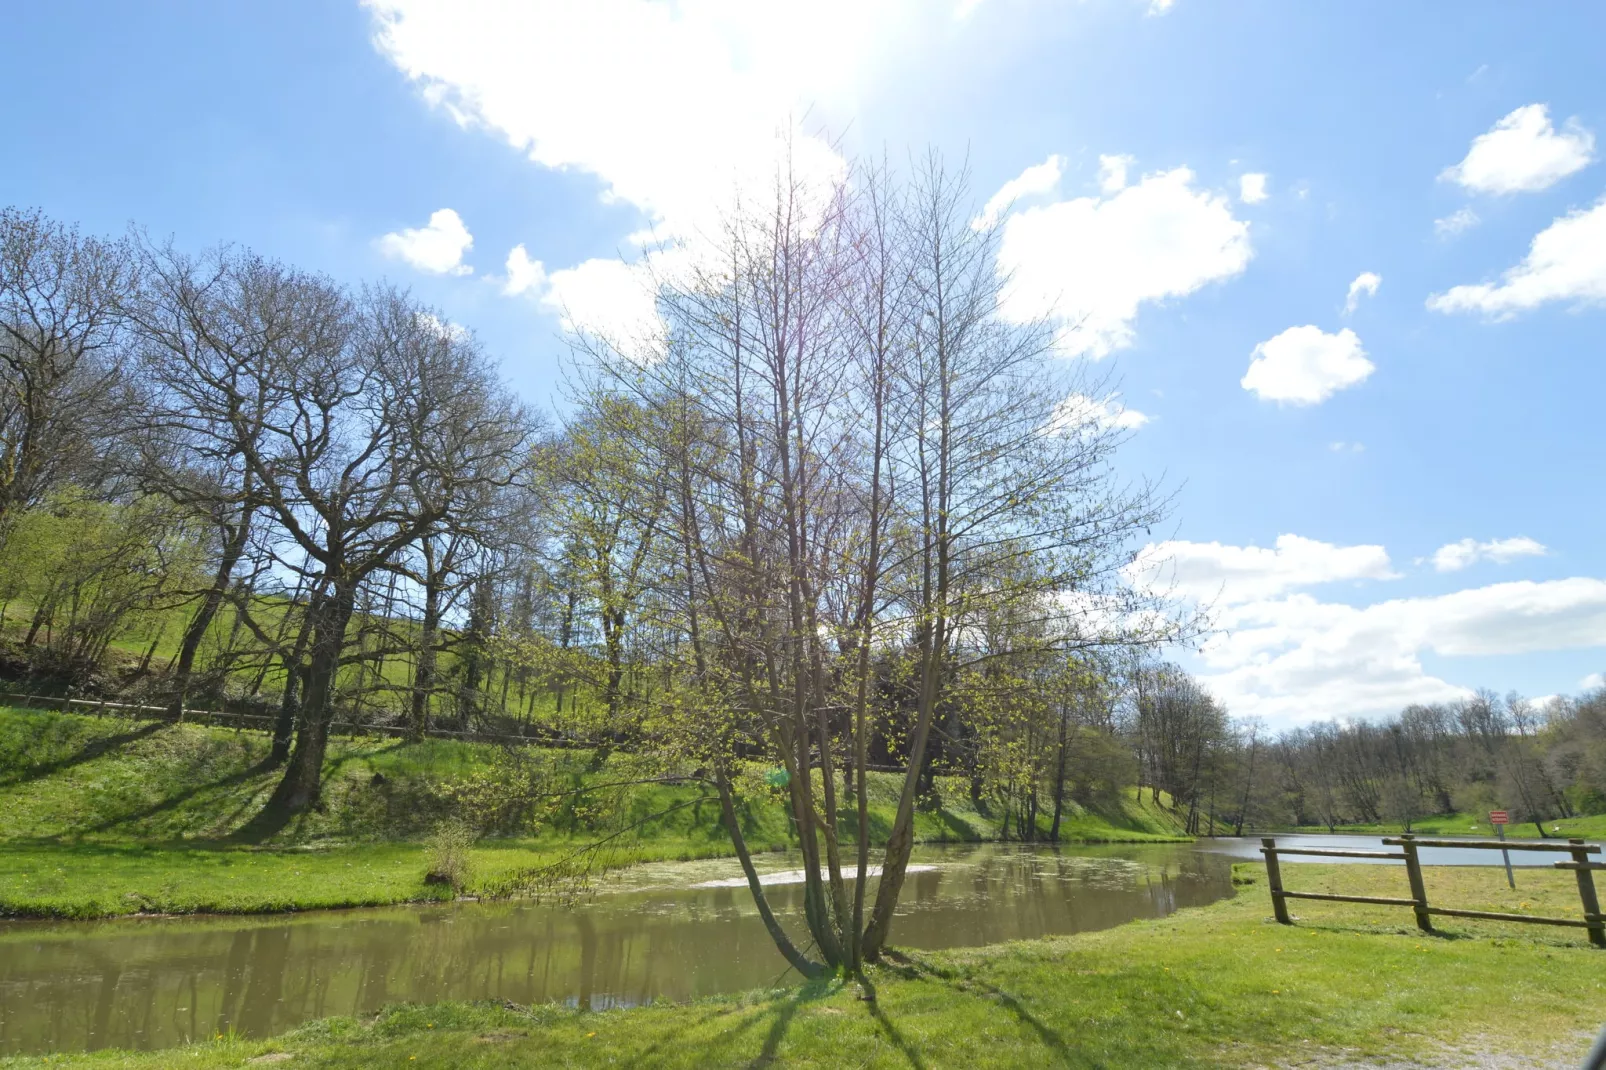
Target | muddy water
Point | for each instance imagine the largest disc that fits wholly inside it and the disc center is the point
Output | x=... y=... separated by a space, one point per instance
x=674 y=931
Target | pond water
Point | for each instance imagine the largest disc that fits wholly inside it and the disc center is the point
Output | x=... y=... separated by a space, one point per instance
x=1248 y=848
x=674 y=931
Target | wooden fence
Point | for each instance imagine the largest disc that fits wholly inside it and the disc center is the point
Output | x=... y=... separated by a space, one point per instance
x=263 y=722
x=1581 y=865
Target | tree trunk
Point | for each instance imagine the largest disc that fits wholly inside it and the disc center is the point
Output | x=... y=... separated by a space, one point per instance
x=424 y=669
x=783 y=942
x=284 y=725
x=233 y=549
x=302 y=783
x=1059 y=775
x=900 y=840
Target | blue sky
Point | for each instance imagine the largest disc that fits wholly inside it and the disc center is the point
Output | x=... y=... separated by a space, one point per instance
x=1432 y=148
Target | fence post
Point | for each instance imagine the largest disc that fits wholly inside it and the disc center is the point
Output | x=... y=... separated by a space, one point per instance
x=1274 y=878
x=1586 y=892
x=1419 y=891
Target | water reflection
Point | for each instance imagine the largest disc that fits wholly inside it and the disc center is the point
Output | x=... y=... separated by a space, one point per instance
x=652 y=935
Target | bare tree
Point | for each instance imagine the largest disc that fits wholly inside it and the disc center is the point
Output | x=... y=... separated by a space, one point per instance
x=865 y=460
x=212 y=330
x=385 y=425
x=62 y=389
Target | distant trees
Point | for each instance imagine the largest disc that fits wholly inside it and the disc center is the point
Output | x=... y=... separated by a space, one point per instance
x=1473 y=754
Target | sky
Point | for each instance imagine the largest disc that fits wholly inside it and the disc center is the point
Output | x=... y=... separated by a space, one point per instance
x=1346 y=263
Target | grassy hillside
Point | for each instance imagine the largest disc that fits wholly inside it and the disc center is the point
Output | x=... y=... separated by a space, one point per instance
x=139 y=657
x=1219 y=986
x=108 y=816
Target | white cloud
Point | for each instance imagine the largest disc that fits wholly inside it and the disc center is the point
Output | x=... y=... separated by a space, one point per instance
x=1452 y=557
x=1593 y=681
x=1299 y=659
x=1036 y=179
x=524 y=275
x=963 y=9
x=1523 y=153
x=1080 y=411
x=1112 y=172
x=1366 y=283
x=1457 y=221
x=446 y=329
x=1252 y=188
x=697 y=96
x=437 y=247
x=1160 y=7
x=1090 y=262
x=1347 y=447
x=608 y=297
x=1230 y=575
x=1305 y=366
x=671 y=108
x=1566 y=262
x=1283 y=653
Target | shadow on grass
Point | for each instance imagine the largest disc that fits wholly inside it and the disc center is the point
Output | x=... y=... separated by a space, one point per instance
x=809 y=992
x=885 y=1024
x=174 y=801
x=962 y=830
x=272 y=820
x=914 y=969
x=88 y=753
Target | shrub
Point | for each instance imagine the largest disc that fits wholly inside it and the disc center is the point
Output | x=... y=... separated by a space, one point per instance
x=448 y=855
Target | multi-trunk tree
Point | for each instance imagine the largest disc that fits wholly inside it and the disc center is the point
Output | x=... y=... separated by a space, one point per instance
x=861 y=460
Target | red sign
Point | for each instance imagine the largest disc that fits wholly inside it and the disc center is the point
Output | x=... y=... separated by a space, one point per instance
x=1499 y=817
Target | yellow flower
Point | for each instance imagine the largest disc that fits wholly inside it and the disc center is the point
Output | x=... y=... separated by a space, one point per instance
x=590 y=1035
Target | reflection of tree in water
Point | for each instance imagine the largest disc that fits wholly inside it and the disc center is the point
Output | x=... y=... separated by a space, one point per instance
x=588 y=958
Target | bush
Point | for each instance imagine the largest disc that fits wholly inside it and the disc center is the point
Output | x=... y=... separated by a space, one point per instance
x=448 y=855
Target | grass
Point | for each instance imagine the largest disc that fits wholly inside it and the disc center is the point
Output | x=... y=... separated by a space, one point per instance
x=1220 y=986
x=109 y=816
x=1591 y=827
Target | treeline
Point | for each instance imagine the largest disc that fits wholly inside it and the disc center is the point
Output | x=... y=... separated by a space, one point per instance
x=1468 y=756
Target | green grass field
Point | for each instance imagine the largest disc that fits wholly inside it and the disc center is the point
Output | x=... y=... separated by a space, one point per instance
x=111 y=816
x=1220 y=986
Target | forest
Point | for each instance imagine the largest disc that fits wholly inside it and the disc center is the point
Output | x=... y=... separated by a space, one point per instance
x=839 y=514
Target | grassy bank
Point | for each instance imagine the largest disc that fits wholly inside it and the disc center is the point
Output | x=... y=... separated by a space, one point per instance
x=1218 y=986
x=1591 y=827
x=110 y=816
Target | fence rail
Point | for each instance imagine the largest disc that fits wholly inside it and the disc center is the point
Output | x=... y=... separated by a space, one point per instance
x=1581 y=866
x=264 y=721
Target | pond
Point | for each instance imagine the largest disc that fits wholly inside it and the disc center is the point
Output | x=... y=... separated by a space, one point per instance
x=674 y=931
